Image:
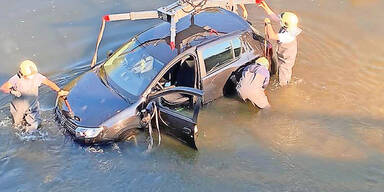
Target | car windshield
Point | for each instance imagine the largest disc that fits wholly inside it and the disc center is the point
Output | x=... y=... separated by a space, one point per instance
x=131 y=68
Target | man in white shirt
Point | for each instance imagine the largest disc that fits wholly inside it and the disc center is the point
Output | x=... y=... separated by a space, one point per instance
x=24 y=86
x=286 y=39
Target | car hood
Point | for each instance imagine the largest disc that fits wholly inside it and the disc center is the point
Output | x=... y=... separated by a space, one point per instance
x=91 y=100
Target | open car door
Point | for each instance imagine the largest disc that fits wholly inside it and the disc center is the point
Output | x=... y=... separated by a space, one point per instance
x=178 y=109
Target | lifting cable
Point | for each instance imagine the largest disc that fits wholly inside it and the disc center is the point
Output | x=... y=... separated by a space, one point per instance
x=196 y=7
x=155 y=114
x=102 y=28
x=267 y=47
x=265 y=41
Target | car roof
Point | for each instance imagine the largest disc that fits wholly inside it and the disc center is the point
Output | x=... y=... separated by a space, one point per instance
x=191 y=31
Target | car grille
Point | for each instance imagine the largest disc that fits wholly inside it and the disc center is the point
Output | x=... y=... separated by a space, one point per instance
x=67 y=124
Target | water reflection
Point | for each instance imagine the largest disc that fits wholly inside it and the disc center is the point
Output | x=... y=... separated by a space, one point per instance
x=364 y=2
x=303 y=133
x=373 y=137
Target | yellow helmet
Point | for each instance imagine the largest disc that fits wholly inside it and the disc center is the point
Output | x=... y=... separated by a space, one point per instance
x=263 y=61
x=27 y=68
x=288 y=20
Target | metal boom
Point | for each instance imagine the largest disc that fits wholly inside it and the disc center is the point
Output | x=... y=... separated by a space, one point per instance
x=171 y=13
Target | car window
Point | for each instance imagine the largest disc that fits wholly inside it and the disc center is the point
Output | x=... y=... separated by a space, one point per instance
x=182 y=73
x=236 y=47
x=182 y=104
x=217 y=55
x=221 y=54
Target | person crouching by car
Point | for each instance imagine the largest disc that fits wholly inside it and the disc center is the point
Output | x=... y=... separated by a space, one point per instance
x=254 y=80
x=24 y=86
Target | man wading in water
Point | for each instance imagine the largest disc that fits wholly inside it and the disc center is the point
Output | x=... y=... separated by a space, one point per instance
x=254 y=80
x=24 y=86
x=286 y=39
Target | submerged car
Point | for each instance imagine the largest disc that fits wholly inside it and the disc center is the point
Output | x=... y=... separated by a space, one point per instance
x=112 y=100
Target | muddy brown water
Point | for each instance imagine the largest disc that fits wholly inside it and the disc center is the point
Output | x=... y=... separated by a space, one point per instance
x=325 y=131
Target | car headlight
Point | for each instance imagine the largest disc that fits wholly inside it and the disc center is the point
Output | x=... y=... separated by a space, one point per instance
x=88 y=133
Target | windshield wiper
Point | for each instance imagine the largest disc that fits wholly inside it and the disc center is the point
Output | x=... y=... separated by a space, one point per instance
x=152 y=41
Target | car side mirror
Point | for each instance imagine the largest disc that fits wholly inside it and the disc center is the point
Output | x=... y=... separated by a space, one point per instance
x=109 y=53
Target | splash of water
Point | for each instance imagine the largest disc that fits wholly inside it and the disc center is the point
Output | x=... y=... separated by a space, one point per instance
x=116 y=147
x=34 y=136
x=5 y=122
x=94 y=149
x=274 y=83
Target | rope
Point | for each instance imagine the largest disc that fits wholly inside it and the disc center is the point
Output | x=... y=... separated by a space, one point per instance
x=150 y=145
x=266 y=50
x=150 y=128
x=157 y=124
x=265 y=41
x=102 y=28
x=196 y=7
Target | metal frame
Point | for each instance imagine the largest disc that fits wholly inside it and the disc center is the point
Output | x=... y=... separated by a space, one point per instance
x=171 y=13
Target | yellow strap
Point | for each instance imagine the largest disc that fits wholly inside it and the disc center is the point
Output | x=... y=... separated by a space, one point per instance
x=94 y=59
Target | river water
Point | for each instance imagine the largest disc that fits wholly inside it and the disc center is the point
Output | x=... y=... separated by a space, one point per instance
x=325 y=131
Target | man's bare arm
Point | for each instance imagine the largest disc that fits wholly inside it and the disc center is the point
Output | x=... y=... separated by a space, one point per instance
x=270 y=32
x=51 y=85
x=269 y=11
x=6 y=87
